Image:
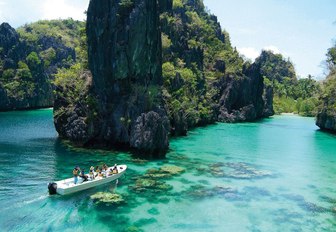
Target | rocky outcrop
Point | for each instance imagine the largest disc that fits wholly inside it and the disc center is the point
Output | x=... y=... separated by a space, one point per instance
x=326 y=116
x=268 y=100
x=241 y=97
x=149 y=133
x=326 y=120
x=8 y=39
x=125 y=59
x=71 y=119
x=25 y=78
x=275 y=67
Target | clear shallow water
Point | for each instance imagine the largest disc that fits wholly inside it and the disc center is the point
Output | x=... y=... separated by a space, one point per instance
x=276 y=175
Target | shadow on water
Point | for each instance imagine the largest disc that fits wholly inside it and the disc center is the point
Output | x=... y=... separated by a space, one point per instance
x=330 y=134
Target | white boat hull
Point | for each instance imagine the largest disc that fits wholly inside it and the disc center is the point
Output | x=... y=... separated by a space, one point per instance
x=67 y=186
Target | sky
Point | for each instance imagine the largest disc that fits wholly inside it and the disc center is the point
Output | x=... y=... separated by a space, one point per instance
x=301 y=30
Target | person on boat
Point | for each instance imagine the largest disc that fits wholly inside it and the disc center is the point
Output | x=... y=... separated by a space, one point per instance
x=98 y=172
x=82 y=174
x=115 y=169
x=75 y=173
x=110 y=172
x=105 y=170
x=92 y=176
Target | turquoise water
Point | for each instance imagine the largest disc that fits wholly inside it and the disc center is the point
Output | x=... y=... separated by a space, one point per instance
x=276 y=175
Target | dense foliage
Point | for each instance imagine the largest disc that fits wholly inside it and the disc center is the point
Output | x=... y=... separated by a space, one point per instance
x=196 y=52
x=31 y=55
x=291 y=95
x=328 y=94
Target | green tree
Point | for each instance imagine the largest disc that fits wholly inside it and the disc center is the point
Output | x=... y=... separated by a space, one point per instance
x=33 y=60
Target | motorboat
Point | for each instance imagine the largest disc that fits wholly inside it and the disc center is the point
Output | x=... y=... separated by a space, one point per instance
x=67 y=186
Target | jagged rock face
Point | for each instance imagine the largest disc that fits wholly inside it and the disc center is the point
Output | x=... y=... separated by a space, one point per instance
x=282 y=68
x=150 y=133
x=124 y=43
x=71 y=121
x=241 y=97
x=8 y=37
x=62 y=52
x=125 y=58
x=268 y=99
x=326 y=120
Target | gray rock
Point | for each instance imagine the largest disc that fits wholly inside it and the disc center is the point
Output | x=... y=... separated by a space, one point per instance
x=150 y=133
x=125 y=59
x=241 y=97
x=268 y=99
x=326 y=120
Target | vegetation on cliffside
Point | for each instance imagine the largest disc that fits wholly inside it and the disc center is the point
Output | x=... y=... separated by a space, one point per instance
x=197 y=57
x=291 y=95
x=30 y=56
x=200 y=67
x=326 y=117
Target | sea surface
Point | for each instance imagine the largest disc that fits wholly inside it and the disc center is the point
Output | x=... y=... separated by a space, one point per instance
x=275 y=175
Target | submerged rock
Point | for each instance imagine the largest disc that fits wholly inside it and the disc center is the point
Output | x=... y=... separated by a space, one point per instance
x=108 y=198
x=173 y=170
x=139 y=161
x=164 y=172
x=145 y=184
x=153 y=211
x=201 y=192
x=234 y=170
x=133 y=229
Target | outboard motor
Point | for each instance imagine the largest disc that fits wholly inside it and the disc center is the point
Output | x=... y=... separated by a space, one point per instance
x=52 y=188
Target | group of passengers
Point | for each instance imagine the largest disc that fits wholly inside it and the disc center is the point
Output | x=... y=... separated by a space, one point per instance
x=102 y=172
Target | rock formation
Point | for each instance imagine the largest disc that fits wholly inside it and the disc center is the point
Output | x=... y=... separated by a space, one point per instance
x=124 y=48
x=241 y=97
x=326 y=117
x=268 y=100
x=24 y=76
x=326 y=120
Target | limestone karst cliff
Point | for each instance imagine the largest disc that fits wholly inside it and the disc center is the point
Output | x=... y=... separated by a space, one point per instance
x=124 y=50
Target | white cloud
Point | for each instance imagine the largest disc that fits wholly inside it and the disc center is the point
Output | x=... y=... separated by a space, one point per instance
x=252 y=53
x=249 y=52
x=273 y=49
x=19 y=12
x=63 y=9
